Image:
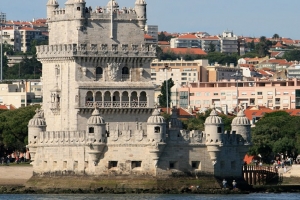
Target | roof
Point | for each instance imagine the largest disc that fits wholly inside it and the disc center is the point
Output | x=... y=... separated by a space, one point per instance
x=180 y=112
x=278 y=44
x=163 y=43
x=194 y=51
x=210 y=38
x=7 y=107
x=148 y=37
x=251 y=112
x=187 y=36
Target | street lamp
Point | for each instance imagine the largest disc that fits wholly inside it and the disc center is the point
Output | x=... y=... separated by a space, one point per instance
x=167 y=94
x=237 y=74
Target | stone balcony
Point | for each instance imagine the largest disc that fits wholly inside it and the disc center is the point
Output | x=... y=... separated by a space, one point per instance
x=116 y=104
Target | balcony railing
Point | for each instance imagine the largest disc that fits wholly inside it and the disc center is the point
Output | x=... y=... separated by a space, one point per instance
x=116 y=104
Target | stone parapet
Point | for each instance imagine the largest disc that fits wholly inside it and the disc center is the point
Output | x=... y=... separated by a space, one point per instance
x=96 y=50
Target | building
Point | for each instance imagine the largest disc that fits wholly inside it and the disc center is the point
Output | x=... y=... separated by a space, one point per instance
x=98 y=115
x=274 y=94
x=211 y=41
x=218 y=72
x=21 y=93
x=2 y=17
x=229 y=43
x=181 y=71
x=152 y=30
x=186 y=41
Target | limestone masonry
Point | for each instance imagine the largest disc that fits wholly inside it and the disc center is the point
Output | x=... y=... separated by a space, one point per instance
x=98 y=115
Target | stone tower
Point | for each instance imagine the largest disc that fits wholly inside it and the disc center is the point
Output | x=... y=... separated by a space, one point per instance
x=141 y=11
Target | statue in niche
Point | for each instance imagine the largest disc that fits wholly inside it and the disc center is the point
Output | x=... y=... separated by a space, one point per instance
x=113 y=69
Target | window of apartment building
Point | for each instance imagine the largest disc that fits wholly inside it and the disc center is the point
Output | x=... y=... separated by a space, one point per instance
x=223 y=94
x=207 y=93
x=183 y=83
x=259 y=101
x=234 y=94
x=197 y=102
x=228 y=94
x=285 y=93
x=216 y=94
x=183 y=74
x=153 y=74
x=270 y=93
x=293 y=93
x=293 y=101
x=285 y=101
x=244 y=93
x=171 y=74
x=277 y=100
x=153 y=79
x=278 y=93
x=194 y=74
x=259 y=93
x=184 y=78
x=198 y=94
x=1 y=99
x=252 y=93
x=192 y=102
x=206 y=102
x=189 y=74
x=192 y=94
x=270 y=101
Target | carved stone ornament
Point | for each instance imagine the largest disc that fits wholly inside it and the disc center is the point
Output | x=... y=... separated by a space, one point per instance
x=113 y=69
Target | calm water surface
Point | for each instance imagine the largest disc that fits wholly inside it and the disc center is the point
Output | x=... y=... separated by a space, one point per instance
x=288 y=196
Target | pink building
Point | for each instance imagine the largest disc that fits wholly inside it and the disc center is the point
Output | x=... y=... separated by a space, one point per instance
x=274 y=94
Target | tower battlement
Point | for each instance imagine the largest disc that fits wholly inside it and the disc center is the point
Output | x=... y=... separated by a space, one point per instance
x=97 y=50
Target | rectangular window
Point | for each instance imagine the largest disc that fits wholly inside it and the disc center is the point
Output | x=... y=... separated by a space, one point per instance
x=197 y=102
x=192 y=94
x=183 y=74
x=135 y=164
x=207 y=93
x=252 y=93
x=112 y=164
x=244 y=93
x=216 y=94
x=184 y=78
x=172 y=165
x=278 y=93
x=285 y=101
x=259 y=93
x=198 y=94
x=285 y=93
x=196 y=164
x=270 y=93
x=153 y=74
x=223 y=94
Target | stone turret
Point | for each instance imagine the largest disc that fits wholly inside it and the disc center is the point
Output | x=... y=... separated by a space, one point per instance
x=115 y=5
x=36 y=125
x=242 y=126
x=79 y=9
x=96 y=134
x=51 y=6
x=214 y=129
x=141 y=11
x=156 y=127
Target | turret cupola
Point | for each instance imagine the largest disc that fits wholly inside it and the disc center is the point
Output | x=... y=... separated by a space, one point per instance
x=114 y=5
x=141 y=11
x=214 y=127
x=156 y=127
x=96 y=128
x=241 y=125
x=51 y=6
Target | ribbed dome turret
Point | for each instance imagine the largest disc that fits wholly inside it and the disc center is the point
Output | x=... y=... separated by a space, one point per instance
x=52 y=2
x=241 y=119
x=140 y=2
x=115 y=4
x=96 y=118
x=156 y=118
x=37 y=120
x=213 y=118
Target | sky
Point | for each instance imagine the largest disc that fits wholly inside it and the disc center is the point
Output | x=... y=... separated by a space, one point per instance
x=253 y=18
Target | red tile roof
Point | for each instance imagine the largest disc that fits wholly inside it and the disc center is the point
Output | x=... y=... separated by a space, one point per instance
x=194 y=51
x=187 y=36
x=163 y=43
x=261 y=111
x=148 y=37
x=180 y=112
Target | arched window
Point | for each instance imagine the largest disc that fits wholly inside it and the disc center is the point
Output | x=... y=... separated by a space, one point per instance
x=99 y=73
x=125 y=70
x=125 y=73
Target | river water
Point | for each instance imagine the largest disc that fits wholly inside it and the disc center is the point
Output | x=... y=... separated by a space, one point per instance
x=254 y=196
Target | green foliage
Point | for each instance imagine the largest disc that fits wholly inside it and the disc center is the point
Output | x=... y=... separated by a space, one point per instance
x=276 y=132
x=163 y=37
x=292 y=55
x=221 y=58
x=197 y=123
x=13 y=127
x=163 y=96
x=212 y=47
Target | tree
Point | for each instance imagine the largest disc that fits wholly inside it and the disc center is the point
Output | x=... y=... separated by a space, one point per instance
x=163 y=96
x=212 y=47
x=276 y=132
x=13 y=127
x=275 y=36
x=163 y=37
x=292 y=55
x=221 y=58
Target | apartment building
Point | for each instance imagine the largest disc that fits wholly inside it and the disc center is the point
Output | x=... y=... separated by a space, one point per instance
x=209 y=41
x=229 y=43
x=21 y=93
x=152 y=30
x=181 y=71
x=186 y=41
x=11 y=36
x=219 y=72
x=274 y=94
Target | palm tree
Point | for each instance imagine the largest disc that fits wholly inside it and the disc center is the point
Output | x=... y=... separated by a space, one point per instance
x=275 y=37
